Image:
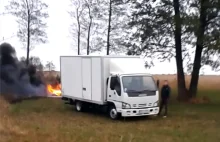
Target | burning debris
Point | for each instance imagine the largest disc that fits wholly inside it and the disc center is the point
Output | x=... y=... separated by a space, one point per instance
x=54 y=89
x=18 y=82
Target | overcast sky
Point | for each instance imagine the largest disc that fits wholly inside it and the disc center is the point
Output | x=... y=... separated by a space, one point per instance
x=59 y=37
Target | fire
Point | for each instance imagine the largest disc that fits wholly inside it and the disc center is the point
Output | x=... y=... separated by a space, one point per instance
x=54 y=89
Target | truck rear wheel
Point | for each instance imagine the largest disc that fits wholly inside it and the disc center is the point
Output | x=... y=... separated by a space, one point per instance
x=113 y=114
x=79 y=106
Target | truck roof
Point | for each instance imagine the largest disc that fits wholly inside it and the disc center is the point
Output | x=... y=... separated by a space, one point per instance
x=130 y=73
x=104 y=56
x=127 y=66
x=118 y=64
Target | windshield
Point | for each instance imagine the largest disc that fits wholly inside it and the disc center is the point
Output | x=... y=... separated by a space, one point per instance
x=139 y=85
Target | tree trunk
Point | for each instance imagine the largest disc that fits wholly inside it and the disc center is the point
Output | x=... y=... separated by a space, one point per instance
x=78 y=42
x=78 y=22
x=88 y=38
x=198 y=54
x=89 y=29
x=195 y=73
x=182 y=91
x=109 y=26
x=28 y=39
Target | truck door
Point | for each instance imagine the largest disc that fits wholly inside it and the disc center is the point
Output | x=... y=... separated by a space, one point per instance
x=86 y=78
x=114 y=89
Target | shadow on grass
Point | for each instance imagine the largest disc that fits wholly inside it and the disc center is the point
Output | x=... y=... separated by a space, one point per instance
x=104 y=115
x=57 y=106
x=47 y=106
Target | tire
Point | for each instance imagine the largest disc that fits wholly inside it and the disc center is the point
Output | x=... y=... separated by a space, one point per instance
x=79 y=106
x=112 y=112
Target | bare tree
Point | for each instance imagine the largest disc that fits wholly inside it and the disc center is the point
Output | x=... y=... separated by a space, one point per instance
x=117 y=18
x=88 y=5
x=31 y=16
x=77 y=14
x=50 y=66
x=91 y=23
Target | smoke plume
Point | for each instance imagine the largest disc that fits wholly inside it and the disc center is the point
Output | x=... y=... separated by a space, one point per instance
x=18 y=82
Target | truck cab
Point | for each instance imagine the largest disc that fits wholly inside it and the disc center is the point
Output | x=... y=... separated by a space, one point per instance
x=132 y=95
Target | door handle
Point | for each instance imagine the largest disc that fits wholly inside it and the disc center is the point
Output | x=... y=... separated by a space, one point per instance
x=84 y=89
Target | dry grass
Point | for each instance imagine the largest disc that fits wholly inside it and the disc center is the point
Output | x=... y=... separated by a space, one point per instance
x=49 y=120
x=7 y=123
x=207 y=86
x=205 y=82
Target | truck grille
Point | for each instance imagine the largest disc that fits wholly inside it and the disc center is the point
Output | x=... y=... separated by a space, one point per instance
x=150 y=104
x=137 y=94
x=142 y=105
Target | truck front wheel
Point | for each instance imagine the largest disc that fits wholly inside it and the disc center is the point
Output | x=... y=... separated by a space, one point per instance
x=113 y=114
x=79 y=106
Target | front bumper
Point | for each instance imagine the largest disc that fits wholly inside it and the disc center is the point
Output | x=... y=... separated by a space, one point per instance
x=139 y=112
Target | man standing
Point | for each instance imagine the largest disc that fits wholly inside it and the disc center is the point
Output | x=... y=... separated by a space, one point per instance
x=165 y=95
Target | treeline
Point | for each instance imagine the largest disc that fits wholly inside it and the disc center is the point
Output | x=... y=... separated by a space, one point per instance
x=96 y=25
x=36 y=64
x=36 y=61
x=187 y=31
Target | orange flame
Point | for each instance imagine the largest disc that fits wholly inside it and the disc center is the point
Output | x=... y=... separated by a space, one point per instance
x=54 y=89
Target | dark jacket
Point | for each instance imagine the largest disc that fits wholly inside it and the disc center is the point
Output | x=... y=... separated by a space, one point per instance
x=165 y=92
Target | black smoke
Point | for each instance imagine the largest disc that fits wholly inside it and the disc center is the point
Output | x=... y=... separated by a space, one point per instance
x=17 y=81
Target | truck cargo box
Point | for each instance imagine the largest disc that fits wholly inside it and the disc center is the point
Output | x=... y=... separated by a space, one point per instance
x=81 y=78
x=84 y=77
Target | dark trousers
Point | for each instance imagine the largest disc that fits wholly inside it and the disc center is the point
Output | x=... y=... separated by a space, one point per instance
x=163 y=104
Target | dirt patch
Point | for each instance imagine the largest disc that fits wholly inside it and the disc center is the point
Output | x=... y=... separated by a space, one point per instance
x=200 y=100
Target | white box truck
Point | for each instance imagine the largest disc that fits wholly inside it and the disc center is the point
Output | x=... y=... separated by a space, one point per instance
x=119 y=83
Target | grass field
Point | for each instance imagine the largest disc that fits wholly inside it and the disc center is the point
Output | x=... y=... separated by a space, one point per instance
x=49 y=120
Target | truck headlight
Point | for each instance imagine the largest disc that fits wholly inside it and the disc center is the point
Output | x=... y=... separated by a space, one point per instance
x=156 y=103
x=126 y=106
